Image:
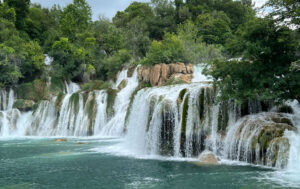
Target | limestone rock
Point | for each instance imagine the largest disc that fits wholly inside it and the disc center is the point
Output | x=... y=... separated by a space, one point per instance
x=208 y=157
x=159 y=74
x=60 y=140
x=123 y=84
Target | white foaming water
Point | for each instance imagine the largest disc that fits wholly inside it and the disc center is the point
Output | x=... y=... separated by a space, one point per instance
x=6 y=99
x=48 y=60
x=115 y=126
x=72 y=87
x=199 y=76
x=166 y=121
x=290 y=177
x=101 y=117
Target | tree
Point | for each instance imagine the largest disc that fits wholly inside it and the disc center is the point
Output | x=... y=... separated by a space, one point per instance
x=164 y=20
x=263 y=71
x=21 y=8
x=108 y=36
x=195 y=49
x=214 y=27
x=75 y=18
x=169 y=50
x=135 y=23
x=33 y=60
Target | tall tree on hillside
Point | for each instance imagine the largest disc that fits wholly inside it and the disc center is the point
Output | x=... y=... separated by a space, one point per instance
x=22 y=9
x=76 y=18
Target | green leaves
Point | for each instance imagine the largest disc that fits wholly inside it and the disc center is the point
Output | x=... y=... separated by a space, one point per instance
x=169 y=50
x=266 y=52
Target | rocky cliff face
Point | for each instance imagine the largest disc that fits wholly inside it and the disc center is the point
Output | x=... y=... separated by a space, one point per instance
x=159 y=74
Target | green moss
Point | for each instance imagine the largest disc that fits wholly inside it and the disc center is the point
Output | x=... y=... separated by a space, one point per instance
x=183 y=123
x=123 y=84
x=24 y=105
x=223 y=116
x=153 y=102
x=130 y=71
x=91 y=110
x=59 y=100
x=129 y=108
x=57 y=86
x=173 y=81
x=75 y=101
x=95 y=85
x=201 y=104
x=182 y=93
x=111 y=96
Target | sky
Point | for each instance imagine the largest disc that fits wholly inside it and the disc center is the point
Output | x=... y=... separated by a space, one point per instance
x=107 y=8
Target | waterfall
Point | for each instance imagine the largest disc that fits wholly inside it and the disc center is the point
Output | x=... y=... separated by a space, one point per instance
x=198 y=75
x=174 y=121
x=181 y=121
x=6 y=99
x=115 y=125
x=101 y=116
x=294 y=139
x=71 y=87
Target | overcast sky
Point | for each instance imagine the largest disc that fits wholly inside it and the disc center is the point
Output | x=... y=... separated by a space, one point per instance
x=108 y=8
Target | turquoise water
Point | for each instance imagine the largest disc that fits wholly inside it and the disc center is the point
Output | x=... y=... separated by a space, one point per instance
x=43 y=163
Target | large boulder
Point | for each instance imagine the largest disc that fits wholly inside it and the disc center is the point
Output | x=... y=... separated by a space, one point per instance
x=208 y=158
x=160 y=74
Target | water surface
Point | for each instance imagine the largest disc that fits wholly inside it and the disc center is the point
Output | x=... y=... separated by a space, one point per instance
x=43 y=163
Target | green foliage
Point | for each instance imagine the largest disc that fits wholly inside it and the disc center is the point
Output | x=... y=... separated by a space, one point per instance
x=114 y=63
x=21 y=8
x=195 y=49
x=33 y=59
x=96 y=85
x=214 y=28
x=169 y=50
x=75 y=18
x=134 y=21
x=264 y=70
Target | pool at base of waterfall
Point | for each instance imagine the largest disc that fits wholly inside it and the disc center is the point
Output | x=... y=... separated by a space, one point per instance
x=86 y=163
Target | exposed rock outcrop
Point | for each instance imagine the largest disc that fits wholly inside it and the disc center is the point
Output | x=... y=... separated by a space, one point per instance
x=260 y=139
x=60 y=140
x=208 y=158
x=159 y=74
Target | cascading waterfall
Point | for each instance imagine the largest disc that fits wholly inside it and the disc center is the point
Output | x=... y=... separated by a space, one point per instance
x=198 y=75
x=294 y=139
x=178 y=121
x=6 y=99
x=174 y=120
x=115 y=125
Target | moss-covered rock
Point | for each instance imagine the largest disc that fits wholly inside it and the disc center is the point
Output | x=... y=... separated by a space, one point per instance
x=59 y=100
x=265 y=132
x=95 y=85
x=111 y=96
x=123 y=84
x=183 y=124
x=24 y=105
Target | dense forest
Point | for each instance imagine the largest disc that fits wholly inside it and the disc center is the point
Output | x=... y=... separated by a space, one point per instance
x=248 y=56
